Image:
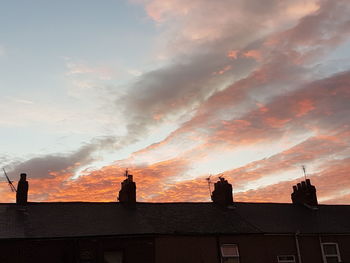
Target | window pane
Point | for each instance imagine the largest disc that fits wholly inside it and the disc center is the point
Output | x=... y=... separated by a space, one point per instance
x=330 y=249
x=332 y=259
x=229 y=250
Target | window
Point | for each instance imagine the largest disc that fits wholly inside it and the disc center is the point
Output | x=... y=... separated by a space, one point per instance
x=286 y=259
x=229 y=253
x=113 y=256
x=330 y=253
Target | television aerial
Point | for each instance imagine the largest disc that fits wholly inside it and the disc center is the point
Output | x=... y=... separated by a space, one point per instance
x=13 y=188
x=209 y=183
x=304 y=171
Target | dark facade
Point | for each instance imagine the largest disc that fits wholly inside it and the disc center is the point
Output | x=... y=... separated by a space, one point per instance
x=212 y=232
x=173 y=232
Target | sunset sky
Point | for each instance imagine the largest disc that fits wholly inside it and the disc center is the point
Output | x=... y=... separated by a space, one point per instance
x=175 y=91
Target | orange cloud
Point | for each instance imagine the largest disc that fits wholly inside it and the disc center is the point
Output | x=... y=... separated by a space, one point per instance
x=185 y=191
x=159 y=182
x=104 y=184
x=255 y=54
x=275 y=122
x=329 y=184
x=232 y=54
x=305 y=106
x=223 y=70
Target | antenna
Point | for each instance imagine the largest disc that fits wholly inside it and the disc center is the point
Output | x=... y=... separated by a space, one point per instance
x=304 y=170
x=209 y=182
x=126 y=172
x=13 y=188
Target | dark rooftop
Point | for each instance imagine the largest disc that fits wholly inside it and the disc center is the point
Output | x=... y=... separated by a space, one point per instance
x=79 y=219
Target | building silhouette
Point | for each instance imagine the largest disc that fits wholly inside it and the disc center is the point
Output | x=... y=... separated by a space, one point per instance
x=222 y=231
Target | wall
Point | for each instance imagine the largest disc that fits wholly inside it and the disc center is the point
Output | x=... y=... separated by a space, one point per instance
x=170 y=249
x=252 y=248
x=87 y=250
x=186 y=249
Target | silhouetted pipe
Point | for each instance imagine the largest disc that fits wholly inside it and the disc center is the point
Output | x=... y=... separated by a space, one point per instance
x=297 y=246
x=22 y=190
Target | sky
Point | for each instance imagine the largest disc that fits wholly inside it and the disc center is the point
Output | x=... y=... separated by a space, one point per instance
x=175 y=91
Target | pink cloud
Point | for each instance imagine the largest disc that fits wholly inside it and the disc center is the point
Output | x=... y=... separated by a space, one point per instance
x=255 y=54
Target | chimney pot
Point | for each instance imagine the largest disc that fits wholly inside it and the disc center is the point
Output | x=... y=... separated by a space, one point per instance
x=304 y=193
x=303 y=185
x=127 y=193
x=308 y=183
x=22 y=190
x=222 y=193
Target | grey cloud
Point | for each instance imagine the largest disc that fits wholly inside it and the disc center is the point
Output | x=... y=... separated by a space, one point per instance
x=190 y=79
x=330 y=110
x=189 y=82
x=330 y=116
x=4 y=158
x=41 y=166
x=176 y=88
x=279 y=75
x=329 y=23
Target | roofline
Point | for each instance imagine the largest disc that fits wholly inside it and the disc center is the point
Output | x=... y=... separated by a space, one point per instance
x=159 y=235
x=167 y=203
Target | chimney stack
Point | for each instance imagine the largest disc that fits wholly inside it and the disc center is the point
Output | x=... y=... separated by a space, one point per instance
x=22 y=190
x=222 y=193
x=304 y=193
x=127 y=193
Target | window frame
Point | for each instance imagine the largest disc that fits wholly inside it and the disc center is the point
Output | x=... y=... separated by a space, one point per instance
x=234 y=256
x=325 y=256
x=287 y=260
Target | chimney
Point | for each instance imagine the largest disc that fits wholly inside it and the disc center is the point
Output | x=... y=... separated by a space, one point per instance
x=304 y=193
x=22 y=190
x=127 y=193
x=222 y=193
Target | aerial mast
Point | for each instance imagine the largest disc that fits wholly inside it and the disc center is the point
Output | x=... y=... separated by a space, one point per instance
x=13 y=188
x=209 y=182
x=304 y=170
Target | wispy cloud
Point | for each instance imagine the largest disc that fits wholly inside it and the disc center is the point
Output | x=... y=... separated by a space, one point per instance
x=102 y=72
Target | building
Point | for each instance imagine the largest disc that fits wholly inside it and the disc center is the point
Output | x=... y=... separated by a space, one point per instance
x=219 y=231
